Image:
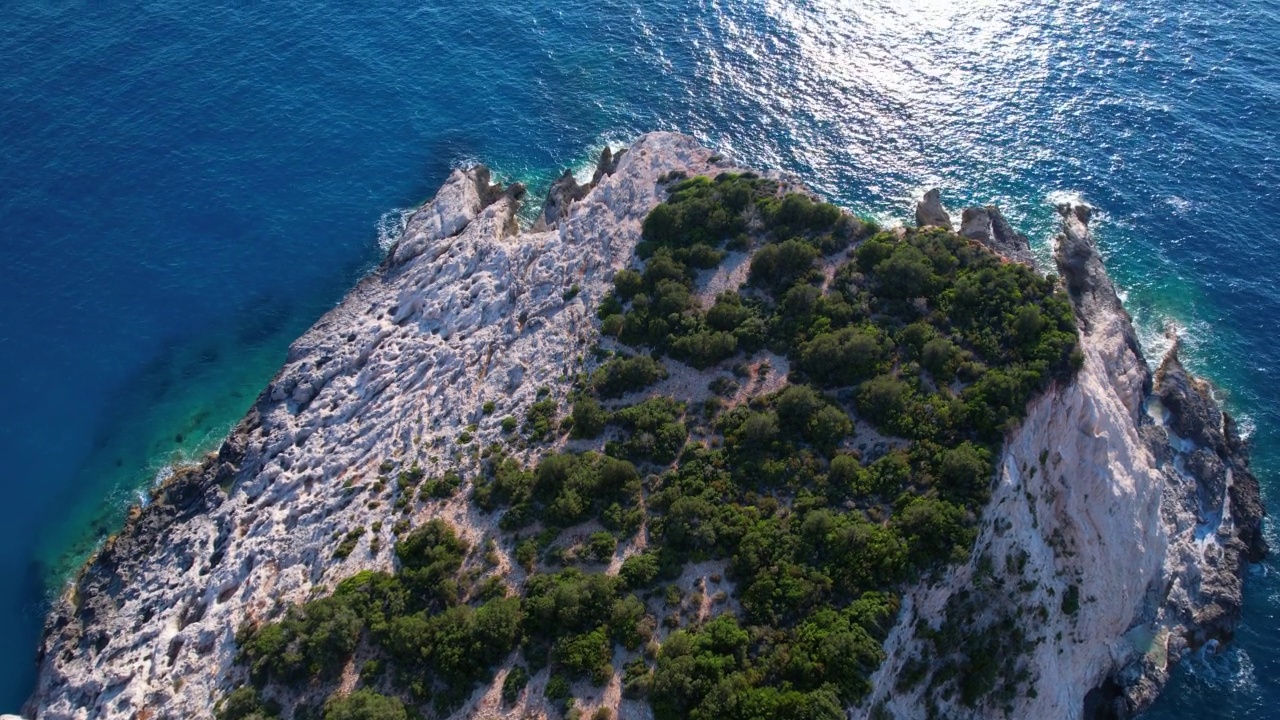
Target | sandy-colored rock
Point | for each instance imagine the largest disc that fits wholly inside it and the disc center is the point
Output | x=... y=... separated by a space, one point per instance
x=930 y=213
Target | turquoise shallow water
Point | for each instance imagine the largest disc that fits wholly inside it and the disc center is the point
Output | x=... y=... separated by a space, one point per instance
x=184 y=189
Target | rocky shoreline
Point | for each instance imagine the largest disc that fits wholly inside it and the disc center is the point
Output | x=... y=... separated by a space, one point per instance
x=1130 y=490
x=1127 y=489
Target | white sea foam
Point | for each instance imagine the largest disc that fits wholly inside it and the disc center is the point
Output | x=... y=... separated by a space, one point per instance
x=391 y=226
x=143 y=494
x=1156 y=333
x=1246 y=425
x=585 y=170
x=1073 y=198
x=164 y=473
x=888 y=220
x=1068 y=197
x=1230 y=668
x=1180 y=205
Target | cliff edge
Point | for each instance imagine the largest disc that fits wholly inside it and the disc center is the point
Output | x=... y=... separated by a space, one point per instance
x=1119 y=531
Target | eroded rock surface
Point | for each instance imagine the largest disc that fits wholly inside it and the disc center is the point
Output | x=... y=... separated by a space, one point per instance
x=988 y=226
x=463 y=311
x=930 y=213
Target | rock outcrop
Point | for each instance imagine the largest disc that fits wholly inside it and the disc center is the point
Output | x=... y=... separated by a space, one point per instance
x=566 y=190
x=985 y=224
x=930 y=213
x=1120 y=524
x=988 y=226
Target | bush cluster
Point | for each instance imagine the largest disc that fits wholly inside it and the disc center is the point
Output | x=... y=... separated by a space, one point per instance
x=563 y=490
x=926 y=337
x=657 y=307
x=440 y=646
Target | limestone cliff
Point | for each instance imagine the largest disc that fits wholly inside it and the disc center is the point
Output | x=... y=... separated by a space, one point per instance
x=1123 y=504
x=1117 y=536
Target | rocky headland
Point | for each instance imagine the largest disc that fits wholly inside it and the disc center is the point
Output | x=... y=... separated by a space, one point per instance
x=1113 y=537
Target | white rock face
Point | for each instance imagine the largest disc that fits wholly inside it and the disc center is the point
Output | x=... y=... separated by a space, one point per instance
x=1091 y=493
x=462 y=313
x=466 y=310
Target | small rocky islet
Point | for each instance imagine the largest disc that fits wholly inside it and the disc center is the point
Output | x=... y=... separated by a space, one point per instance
x=695 y=444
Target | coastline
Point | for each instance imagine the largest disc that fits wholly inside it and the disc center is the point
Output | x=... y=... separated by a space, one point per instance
x=193 y=492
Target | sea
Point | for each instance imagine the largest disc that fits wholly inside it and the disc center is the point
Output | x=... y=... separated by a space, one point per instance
x=185 y=188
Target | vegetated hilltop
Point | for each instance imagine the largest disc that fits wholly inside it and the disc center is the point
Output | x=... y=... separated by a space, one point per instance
x=695 y=446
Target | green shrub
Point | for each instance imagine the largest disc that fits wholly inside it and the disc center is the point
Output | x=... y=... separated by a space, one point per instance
x=779 y=266
x=627 y=284
x=828 y=427
x=905 y=274
x=429 y=558
x=1071 y=600
x=348 y=544
x=845 y=357
x=639 y=571
x=515 y=682
x=655 y=430
x=602 y=545
x=504 y=482
x=624 y=375
x=586 y=655
x=442 y=487
x=364 y=704
x=589 y=419
x=705 y=348
x=526 y=553
x=941 y=358
x=728 y=313
x=797 y=214
x=557 y=690
x=700 y=211
x=244 y=704
x=965 y=473
x=312 y=640
x=613 y=325
x=570 y=601
x=935 y=530
x=887 y=402
x=541 y=418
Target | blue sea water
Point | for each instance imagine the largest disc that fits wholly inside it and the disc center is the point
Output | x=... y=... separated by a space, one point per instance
x=185 y=188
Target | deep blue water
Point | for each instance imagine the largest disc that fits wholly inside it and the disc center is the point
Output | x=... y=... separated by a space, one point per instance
x=184 y=189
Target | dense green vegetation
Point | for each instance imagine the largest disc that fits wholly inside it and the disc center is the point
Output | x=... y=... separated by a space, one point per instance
x=923 y=337
x=440 y=644
x=562 y=491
